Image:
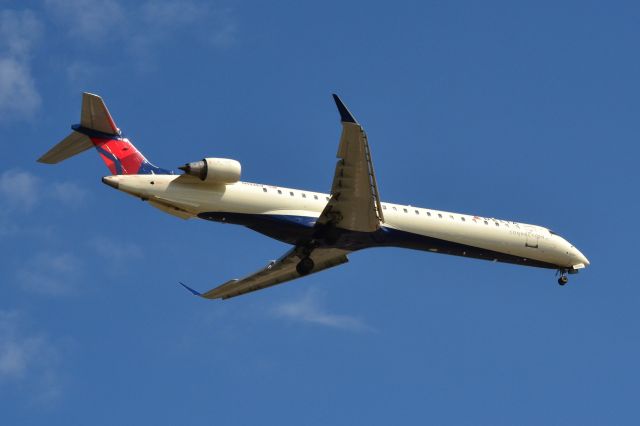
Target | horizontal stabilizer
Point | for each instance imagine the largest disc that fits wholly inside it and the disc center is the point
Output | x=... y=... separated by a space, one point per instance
x=73 y=144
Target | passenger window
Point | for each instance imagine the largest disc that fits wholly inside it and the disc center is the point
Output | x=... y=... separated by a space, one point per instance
x=451 y=216
x=291 y=193
x=463 y=219
x=315 y=197
x=384 y=207
x=497 y=224
x=264 y=189
x=394 y=208
x=405 y=210
x=279 y=192
x=417 y=212
x=486 y=223
x=440 y=215
x=428 y=213
x=304 y=195
x=327 y=198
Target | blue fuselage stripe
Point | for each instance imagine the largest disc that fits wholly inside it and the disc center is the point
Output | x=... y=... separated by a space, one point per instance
x=293 y=229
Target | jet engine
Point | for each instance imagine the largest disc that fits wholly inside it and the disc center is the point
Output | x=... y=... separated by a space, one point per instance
x=214 y=170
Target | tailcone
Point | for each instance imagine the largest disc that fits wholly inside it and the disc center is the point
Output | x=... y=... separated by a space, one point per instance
x=112 y=181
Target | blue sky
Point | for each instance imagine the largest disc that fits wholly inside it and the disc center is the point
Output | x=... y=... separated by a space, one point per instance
x=524 y=111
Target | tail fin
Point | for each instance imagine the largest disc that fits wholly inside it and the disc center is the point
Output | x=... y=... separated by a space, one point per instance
x=98 y=129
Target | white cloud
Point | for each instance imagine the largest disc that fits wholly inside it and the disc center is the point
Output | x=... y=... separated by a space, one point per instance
x=172 y=13
x=22 y=190
x=19 y=189
x=119 y=253
x=142 y=28
x=163 y=20
x=15 y=354
x=19 y=32
x=49 y=273
x=89 y=20
x=28 y=359
x=81 y=72
x=7 y=226
x=309 y=309
x=19 y=97
x=226 y=33
x=67 y=193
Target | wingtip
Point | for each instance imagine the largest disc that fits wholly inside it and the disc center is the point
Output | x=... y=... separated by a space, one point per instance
x=192 y=291
x=345 y=115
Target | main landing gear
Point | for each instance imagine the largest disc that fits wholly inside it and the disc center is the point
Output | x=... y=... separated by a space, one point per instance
x=305 y=266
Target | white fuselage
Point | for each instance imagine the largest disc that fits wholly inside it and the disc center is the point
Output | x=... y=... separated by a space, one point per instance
x=186 y=196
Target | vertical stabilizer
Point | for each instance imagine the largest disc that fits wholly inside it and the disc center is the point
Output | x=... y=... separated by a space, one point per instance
x=96 y=116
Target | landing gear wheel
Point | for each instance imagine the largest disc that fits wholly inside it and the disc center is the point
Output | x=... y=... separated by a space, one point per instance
x=563 y=280
x=305 y=266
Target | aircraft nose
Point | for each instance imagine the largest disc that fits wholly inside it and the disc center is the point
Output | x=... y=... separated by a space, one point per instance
x=581 y=257
x=585 y=261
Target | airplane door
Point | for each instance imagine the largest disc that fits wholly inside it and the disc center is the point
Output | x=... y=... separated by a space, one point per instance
x=532 y=240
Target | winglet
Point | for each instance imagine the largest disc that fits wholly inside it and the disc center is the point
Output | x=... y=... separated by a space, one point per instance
x=345 y=115
x=194 y=292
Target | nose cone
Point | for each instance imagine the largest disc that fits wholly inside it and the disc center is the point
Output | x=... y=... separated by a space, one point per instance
x=578 y=258
x=583 y=258
x=112 y=181
x=569 y=253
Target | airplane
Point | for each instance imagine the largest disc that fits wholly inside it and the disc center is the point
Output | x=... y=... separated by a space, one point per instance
x=323 y=229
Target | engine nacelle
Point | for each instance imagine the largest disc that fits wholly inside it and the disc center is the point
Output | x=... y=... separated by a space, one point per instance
x=214 y=170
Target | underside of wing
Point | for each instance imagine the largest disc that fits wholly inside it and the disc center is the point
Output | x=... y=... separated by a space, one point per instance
x=355 y=201
x=277 y=272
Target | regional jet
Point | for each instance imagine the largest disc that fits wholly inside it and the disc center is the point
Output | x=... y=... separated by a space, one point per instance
x=322 y=229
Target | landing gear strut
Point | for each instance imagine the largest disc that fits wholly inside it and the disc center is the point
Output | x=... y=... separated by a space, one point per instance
x=305 y=266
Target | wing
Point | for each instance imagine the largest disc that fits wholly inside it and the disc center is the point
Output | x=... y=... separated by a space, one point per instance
x=355 y=201
x=277 y=272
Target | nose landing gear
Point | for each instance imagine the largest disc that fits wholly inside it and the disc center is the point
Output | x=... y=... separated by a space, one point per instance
x=563 y=279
